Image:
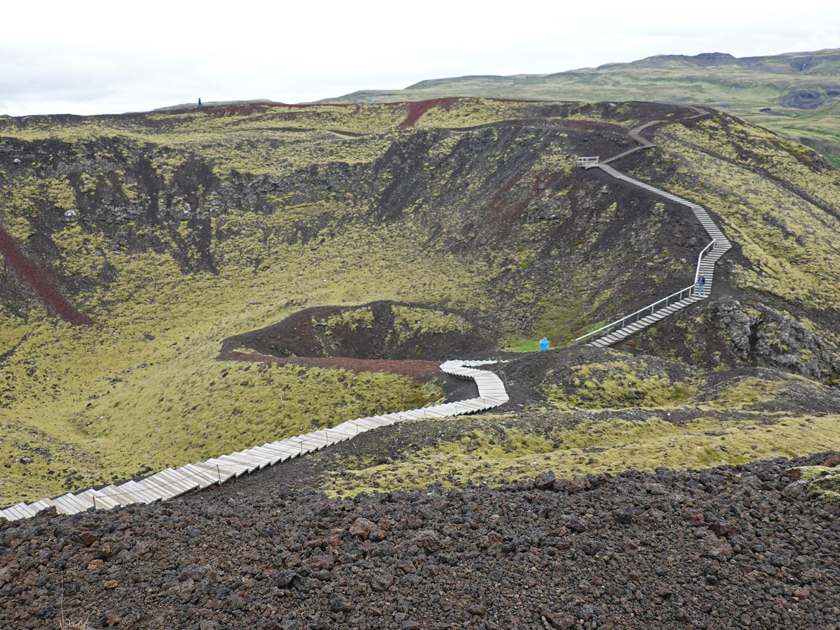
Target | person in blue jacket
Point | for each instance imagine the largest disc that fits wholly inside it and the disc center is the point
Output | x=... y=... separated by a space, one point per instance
x=701 y=286
x=544 y=344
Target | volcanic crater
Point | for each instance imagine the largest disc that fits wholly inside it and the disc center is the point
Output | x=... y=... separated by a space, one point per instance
x=384 y=335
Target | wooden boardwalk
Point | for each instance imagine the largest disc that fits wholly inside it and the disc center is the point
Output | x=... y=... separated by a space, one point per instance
x=706 y=260
x=170 y=483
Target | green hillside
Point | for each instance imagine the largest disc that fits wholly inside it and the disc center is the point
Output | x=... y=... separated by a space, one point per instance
x=797 y=95
x=173 y=231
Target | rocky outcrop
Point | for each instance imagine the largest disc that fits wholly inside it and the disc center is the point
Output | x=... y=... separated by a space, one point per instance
x=732 y=332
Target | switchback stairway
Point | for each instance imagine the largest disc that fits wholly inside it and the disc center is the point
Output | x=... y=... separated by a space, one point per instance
x=706 y=260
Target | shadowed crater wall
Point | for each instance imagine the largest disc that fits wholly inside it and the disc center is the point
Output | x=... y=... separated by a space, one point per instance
x=378 y=330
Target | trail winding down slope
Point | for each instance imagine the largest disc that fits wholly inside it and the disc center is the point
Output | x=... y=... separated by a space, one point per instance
x=170 y=483
x=706 y=260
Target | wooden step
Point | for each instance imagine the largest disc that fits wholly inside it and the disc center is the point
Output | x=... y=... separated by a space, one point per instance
x=170 y=483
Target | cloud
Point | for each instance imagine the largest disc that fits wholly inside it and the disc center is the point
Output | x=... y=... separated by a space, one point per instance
x=94 y=56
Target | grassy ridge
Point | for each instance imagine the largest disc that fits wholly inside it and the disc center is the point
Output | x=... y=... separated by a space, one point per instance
x=503 y=448
x=784 y=215
x=799 y=89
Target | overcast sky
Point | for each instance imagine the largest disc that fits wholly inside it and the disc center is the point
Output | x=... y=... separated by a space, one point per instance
x=97 y=56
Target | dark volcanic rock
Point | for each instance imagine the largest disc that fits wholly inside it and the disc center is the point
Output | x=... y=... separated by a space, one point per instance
x=722 y=548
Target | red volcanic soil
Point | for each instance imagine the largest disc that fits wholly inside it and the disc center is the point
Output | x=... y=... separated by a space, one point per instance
x=303 y=339
x=418 y=108
x=38 y=279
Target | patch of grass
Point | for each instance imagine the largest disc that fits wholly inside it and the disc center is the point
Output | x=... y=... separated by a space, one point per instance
x=501 y=452
x=561 y=320
x=616 y=384
x=523 y=345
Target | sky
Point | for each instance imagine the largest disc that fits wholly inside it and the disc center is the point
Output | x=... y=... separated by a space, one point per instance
x=101 y=57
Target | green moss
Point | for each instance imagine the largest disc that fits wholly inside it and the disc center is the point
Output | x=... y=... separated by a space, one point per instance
x=409 y=321
x=353 y=319
x=82 y=253
x=617 y=384
x=470 y=113
x=826 y=488
x=824 y=482
x=746 y=392
x=18 y=228
x=494 y=450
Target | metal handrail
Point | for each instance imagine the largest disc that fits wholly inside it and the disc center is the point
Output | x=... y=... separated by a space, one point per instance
x=700 y=258
x=588 y=162
x=652 y=307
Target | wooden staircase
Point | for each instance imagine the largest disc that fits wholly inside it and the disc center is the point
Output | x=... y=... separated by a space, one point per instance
x=633 y=323
x=170 y=483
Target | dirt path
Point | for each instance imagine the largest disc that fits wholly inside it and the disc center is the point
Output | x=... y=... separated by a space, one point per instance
x=38 y=279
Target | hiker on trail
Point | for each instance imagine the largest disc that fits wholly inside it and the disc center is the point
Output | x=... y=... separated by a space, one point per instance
x=544 y=344
x=701 y=286
x=199 y=102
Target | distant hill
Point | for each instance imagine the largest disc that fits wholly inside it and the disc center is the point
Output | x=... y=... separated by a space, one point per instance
x=797 y=95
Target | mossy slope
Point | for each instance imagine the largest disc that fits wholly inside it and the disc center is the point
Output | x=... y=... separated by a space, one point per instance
x=195 y=226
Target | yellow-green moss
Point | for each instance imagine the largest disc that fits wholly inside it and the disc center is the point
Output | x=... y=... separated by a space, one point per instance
x=18 y=228
x=470 y=113
x=490 y=456
x=353 y=319
x=82 y=253
x=824 y=482
x=618 y=384
x=409 y=321
x=746 y=392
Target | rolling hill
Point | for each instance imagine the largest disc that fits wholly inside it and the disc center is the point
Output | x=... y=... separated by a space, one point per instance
x=797 y=95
